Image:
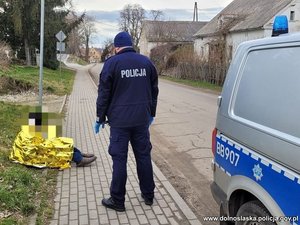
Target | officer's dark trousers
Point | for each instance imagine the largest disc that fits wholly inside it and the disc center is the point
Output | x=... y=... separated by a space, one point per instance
x=139 y=138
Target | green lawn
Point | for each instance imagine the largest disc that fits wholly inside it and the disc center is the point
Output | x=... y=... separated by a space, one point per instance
x=53 y=81
x=193 y=83
x=25 y=191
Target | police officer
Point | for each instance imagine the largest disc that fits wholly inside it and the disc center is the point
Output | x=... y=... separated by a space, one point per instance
x=127 y=96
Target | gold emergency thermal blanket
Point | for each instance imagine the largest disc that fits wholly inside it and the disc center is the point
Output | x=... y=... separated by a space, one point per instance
x=39 y=152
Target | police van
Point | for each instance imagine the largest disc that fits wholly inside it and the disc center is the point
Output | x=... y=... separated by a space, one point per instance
x=256 y=142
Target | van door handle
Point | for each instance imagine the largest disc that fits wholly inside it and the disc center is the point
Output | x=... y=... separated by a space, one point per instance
x=219 y=100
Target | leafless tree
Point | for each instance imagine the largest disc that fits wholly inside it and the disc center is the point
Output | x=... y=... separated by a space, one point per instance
x=108 y=49
x=87 y=29
x=131 y=18
x=156 y=15
x=74 y=37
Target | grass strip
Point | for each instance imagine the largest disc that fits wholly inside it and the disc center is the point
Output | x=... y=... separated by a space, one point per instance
x=194 y=83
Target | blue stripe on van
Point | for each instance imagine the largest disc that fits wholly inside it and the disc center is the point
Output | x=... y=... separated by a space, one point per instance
x=281 y=183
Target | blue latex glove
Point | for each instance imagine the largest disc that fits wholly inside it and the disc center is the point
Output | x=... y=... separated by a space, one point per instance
x=151 y=120
x=97 y=127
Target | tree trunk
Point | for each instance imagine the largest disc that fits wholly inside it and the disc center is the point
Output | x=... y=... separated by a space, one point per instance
x=87 y=49
x=27 y=52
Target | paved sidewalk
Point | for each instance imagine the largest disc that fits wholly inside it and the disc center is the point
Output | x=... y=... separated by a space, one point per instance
x=80 y=190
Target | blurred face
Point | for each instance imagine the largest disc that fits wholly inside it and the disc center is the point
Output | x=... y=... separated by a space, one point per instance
x=117 y=49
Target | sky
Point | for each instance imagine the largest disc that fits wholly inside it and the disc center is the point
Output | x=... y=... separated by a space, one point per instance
x=106 y=12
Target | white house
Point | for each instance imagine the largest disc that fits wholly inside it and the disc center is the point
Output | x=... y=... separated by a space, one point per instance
x=156 y=33
x=244 y=20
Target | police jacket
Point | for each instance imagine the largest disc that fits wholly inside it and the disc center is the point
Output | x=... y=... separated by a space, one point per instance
x=128 y=90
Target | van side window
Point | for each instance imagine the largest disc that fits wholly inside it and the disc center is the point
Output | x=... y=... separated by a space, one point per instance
x=272 y=77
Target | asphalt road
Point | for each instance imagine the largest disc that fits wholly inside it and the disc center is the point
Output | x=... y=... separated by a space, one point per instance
x=181 y=139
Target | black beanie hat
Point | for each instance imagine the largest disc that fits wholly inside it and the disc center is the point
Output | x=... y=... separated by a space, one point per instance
x=122 y=39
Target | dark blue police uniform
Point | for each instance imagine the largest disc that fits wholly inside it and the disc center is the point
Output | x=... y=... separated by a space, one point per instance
x=127 y=96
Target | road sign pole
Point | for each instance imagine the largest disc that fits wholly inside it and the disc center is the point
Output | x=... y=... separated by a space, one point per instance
x=60 y=37
x=60 y=59
x=41 y=53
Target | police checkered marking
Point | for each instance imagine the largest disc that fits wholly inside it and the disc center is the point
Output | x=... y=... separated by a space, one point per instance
x=255 y=157
x=264 y=162
x=222 y=169
x=237 y=147
x=245 y=152
x=266 y=165
x=230 y=143
x=289 y=175
x=274 y=166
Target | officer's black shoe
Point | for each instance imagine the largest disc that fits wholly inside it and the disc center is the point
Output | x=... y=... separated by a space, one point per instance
x=148 y=201
x=110 y=203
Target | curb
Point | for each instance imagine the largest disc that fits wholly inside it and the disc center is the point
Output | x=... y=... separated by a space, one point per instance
x=91 y=76
x=187 y=212
x=63 y=104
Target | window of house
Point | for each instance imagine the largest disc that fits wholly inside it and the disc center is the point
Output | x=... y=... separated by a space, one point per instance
x=292 y=16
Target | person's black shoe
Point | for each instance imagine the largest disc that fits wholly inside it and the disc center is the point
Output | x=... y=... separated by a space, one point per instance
x=110 y=203
x=148 y=201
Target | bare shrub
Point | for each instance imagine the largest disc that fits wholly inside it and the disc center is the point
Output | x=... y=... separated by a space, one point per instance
x=159 y=55
x=181 y=62
x=5 y=54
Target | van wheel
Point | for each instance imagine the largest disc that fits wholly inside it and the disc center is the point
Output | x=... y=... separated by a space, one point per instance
x=254 y=209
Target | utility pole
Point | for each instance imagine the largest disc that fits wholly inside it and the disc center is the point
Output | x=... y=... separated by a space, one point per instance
x=41 y=53
x=195 y=18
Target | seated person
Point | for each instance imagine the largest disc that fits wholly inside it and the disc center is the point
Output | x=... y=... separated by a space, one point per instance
x=40 y=144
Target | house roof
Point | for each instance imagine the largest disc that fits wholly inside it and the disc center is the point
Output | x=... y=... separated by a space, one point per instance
x=171 y=31
x=243 y=15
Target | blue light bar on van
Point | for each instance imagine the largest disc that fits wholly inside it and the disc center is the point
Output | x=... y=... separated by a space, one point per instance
x=280 y=26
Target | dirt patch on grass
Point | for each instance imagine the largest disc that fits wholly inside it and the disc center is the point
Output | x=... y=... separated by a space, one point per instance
x=10 y=85
x=51 y=103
